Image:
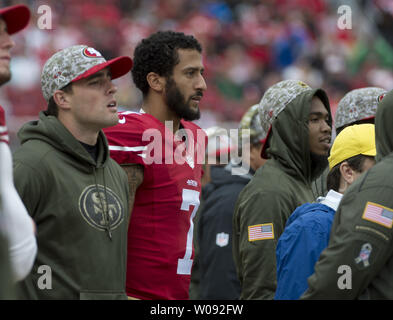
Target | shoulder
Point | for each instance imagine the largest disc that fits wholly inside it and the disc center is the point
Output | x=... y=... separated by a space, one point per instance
x=34 y=153
x=314 y=216
x=190 y=125
x=130 y=131
x=195 y=129
x=132 y=122
x=266 y=185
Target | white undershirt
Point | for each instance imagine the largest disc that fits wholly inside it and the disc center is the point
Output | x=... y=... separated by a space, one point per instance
x=332 y=199
x=16 y=224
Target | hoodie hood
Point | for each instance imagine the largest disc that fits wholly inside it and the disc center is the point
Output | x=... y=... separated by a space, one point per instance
x=288 y=141
x=53 y=132
x=383 y=127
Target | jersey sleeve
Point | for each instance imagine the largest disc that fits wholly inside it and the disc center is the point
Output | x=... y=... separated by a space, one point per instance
x=3 y=127
x=128 y=142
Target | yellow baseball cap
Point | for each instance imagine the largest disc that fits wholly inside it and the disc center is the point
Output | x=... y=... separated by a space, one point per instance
x=353 y=140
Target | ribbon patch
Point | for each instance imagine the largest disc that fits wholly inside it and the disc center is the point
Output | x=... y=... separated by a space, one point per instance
x=364 y=254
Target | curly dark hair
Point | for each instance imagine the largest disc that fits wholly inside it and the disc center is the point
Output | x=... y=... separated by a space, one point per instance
x=158 y=53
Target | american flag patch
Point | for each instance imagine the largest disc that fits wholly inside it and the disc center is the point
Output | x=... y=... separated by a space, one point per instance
x=261 y=232
x=378 y=214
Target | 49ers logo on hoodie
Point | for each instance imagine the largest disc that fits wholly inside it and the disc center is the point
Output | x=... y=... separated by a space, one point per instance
x=101 y=207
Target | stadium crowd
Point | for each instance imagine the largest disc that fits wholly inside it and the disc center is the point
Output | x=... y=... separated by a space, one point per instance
x=93 y=184
x=248 y=46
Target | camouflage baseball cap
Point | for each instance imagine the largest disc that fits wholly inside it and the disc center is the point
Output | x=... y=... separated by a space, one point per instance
x=76 y=63
x=276 y=98
x=250 y=120
x=358 y=104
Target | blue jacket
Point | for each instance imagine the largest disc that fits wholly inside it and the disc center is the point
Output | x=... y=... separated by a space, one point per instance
x=305 y=236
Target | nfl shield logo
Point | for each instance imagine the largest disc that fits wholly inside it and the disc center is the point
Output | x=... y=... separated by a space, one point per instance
x=222 y=239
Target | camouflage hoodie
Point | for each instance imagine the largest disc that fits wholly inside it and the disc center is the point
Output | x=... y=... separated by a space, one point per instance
x=358 y=262
x=277 y=188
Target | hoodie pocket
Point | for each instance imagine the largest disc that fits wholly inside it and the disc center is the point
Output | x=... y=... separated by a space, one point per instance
x=102 y=295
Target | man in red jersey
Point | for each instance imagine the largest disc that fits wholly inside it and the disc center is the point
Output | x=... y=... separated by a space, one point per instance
x=162 y=153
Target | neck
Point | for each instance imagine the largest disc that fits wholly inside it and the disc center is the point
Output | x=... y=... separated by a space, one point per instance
x=154 y=105
x=80 y=133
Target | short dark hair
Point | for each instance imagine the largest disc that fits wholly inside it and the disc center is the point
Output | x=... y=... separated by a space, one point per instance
x=53 y=109
x=158 y=53
x=355 y=163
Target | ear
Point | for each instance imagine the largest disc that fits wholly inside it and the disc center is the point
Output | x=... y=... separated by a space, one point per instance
x=156 y=82
x=62 y=99
x=347 y=173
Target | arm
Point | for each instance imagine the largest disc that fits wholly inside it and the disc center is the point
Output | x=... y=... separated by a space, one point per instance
x=135 y=178
x=16 y=223
x=297 y=252
x=255 y=260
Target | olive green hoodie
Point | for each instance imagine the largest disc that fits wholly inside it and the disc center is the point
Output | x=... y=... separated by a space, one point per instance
x=80 y=207
x=6 y=276
x=358 y=262
x=277 y=188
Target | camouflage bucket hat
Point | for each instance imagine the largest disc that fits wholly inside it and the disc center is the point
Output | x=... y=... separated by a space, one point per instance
x=251 y=121
x=76 y=63
x=276 y=98
x=358 y=104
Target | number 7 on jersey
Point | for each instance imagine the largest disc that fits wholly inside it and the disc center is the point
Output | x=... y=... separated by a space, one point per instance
x=189 y=198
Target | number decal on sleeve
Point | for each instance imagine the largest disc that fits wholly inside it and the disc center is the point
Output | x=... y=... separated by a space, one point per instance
x=190 y=198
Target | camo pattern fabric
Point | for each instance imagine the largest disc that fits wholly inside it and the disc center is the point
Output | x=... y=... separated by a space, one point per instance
x=66 y=65
x=277 y=97
x=251 y=121
x=357 y=105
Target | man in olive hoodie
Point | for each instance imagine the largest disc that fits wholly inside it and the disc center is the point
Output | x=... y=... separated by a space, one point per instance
x=358 y=262
x=76 y=194
x=298 y=121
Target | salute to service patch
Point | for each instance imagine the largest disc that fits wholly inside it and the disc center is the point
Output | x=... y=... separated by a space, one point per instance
x=261 y=232
x=378 y=214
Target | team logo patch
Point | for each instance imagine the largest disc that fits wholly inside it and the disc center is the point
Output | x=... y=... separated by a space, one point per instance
x=222 y=239
x=380 y=97
x=192 y=183
x=379 y=214
x=93 y=204
x=91 y=53
x=261 y=232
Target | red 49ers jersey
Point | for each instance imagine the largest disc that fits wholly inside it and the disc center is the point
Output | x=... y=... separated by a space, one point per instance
x=160 y=249
x=3 y=127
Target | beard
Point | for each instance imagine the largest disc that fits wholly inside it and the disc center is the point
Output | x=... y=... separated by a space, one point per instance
x=4 y=77
x=178 y=103
x=318 y=164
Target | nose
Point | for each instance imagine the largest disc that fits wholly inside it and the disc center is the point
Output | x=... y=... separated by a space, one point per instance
x=6 y=41
x=112 y=88
x=201 y=83
x=326 y=127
